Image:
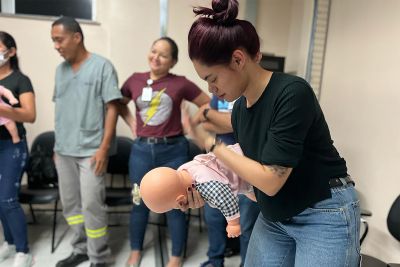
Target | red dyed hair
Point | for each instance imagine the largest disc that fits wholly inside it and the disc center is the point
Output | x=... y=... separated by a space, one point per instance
x=217 y=33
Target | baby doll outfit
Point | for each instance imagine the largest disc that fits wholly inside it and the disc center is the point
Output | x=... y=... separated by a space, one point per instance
x=218 y=185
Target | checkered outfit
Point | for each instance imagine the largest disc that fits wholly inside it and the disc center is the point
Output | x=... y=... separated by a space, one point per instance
x=220 y=196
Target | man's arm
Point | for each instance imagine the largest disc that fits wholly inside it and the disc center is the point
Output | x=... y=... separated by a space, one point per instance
x=100 y=158
x=218 y=122
x=213 y=120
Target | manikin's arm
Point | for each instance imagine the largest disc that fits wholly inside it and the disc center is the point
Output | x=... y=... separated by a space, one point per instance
x=233 y=228
x=8 y=94
x=220 y=195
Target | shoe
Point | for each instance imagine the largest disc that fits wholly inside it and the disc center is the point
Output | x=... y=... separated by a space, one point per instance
x=23 y=260
x=209 y=263
x=229 y=252
x=73 y=260
x=98 y=265
x=6 y=251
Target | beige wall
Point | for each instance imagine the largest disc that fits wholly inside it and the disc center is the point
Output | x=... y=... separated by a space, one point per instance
x=359 y=92
x=273 y=24
x=360 y=98
x=284 y=27
x=124 y=33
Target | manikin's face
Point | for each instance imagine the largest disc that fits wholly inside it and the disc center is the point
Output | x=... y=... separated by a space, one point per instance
x=223 y=81
x=160 y=58
x=65 y=42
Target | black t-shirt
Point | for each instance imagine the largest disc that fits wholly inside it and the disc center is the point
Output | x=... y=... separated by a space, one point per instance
x=17 y=83
x=286 y=127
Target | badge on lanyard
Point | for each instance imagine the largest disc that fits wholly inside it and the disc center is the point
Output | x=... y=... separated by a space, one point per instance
x=147 y=91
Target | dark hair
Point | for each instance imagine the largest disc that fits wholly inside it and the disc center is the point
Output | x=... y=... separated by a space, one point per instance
x=70 y=24
x=9 y=42
x=172 y=44
x=217 y=33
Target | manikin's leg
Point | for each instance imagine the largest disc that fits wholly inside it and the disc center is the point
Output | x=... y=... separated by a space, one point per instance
x=12 y=129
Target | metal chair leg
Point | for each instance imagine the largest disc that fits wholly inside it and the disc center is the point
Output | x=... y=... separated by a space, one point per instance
x=200 y=221
x=53 y=238
x=32 y=213
x=160 y=244
x=188 y=216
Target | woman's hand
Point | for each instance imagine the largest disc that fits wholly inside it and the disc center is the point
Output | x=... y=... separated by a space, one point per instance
x=194 y=200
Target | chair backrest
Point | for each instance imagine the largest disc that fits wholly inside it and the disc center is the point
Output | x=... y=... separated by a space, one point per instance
x=393 y=219
x=119 y=163
x=45 y=141
x=41 y=169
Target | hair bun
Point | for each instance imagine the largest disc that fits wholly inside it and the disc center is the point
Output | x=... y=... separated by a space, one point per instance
x=226 y=11
x=222 y=12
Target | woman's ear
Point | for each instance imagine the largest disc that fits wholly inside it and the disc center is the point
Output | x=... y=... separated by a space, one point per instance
x=258 y=57
x=12 y=52
x=238 y=59
x=173 y=63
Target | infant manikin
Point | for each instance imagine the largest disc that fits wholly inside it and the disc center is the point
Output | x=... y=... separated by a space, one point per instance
x=9 y=124
x=162 y=189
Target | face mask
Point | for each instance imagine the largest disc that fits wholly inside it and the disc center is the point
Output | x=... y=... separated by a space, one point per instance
x=3 y=59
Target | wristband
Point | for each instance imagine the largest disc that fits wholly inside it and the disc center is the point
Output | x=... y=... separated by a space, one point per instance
x=205 y=112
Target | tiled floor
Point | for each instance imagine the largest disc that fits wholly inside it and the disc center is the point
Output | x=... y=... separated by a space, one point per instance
x=40 y=240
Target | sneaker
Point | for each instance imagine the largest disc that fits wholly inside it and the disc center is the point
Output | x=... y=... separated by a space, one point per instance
x=23 y=260
x=72 y=260
x=6 y=251
x=209 y=263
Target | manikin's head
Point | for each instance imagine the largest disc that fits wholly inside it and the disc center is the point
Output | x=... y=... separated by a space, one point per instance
x=162 y=189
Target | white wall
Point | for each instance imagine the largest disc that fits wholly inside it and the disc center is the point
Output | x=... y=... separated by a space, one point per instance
x=360 y=97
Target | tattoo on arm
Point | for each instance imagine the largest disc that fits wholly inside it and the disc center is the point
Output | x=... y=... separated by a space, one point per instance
x=279 y=170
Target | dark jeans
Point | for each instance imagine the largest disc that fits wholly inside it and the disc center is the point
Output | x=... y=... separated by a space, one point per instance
x=13 y=158
x=216 y=228
x=143 y=158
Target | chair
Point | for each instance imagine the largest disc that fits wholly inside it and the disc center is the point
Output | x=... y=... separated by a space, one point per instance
x=40 y=196
x=393 y=224
x=118 y=165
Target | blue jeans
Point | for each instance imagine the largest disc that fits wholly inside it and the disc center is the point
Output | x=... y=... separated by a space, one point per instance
x=143 y=158
x=13 y=159
x=249 y=211
x=216 y=229
x=326 y=234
